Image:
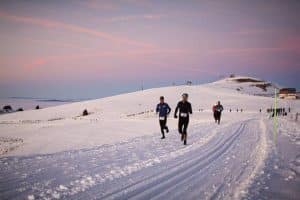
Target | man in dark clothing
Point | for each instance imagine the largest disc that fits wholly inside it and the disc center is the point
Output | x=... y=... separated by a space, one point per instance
x=218 y=111
x=185 y=109
x=163 y=109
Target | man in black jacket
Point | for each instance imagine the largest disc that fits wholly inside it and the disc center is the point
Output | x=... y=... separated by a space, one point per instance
x=218 y=111
x=185 y=109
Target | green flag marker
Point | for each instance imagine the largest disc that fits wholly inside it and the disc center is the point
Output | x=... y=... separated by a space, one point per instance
x=275 y=123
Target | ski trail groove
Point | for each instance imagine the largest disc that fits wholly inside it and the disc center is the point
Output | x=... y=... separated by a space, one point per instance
x=187 y=169
x=216 y=161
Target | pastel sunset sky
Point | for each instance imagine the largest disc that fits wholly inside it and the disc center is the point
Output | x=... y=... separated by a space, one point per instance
x=89 y=49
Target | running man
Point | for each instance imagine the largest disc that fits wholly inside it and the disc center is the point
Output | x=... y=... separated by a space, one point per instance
x=185 y=109
x=163 y=109
x=218 y=111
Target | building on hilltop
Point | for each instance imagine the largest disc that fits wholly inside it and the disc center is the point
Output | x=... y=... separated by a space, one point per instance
x=287 y=93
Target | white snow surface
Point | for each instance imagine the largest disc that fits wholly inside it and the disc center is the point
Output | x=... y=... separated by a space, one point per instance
x=61 y=128
x=116 y=151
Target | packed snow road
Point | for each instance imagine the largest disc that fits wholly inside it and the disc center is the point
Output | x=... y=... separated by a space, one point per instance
x=219 y=162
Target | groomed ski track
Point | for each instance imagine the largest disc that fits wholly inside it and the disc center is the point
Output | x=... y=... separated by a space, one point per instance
x=219 y=162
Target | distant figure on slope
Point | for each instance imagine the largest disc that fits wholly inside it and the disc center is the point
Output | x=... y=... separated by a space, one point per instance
x=185 y=109
x=218 y=111
x=163 y=109
x=214 y=112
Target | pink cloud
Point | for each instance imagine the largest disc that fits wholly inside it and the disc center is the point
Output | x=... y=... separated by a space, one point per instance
x=135 y=17
x=291 y=43
x=101 y=5
x=73 y=28
x=245 y=50
x=109 y=5
x=129 y=55
x=247 y=32
x=55 y=43
x=35 y=63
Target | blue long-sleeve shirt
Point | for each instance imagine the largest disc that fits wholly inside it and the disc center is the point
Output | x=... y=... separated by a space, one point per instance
x=163 y=109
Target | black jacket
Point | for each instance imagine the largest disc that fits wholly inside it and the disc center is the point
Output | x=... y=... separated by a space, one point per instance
x=219 y=108
x=184 y=107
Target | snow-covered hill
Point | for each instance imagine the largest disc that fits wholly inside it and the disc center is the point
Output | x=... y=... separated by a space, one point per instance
x=116 y=152
x=120 y=117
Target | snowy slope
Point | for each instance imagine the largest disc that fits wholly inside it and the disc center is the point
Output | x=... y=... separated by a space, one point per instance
x=116 y=151
x=115 y=118
x=61 y=128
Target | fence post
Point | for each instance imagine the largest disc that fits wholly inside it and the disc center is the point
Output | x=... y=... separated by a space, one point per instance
x=275 y=118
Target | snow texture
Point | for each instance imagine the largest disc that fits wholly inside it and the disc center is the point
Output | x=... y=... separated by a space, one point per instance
x=116 y=152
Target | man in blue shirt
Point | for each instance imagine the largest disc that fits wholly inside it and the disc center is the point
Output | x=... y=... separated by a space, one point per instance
x=163 y=109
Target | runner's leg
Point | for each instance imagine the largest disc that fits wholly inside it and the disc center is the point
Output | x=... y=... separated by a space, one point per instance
x=166 y=127
x=162 y=125
x=180 y=126
x=186 y=123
